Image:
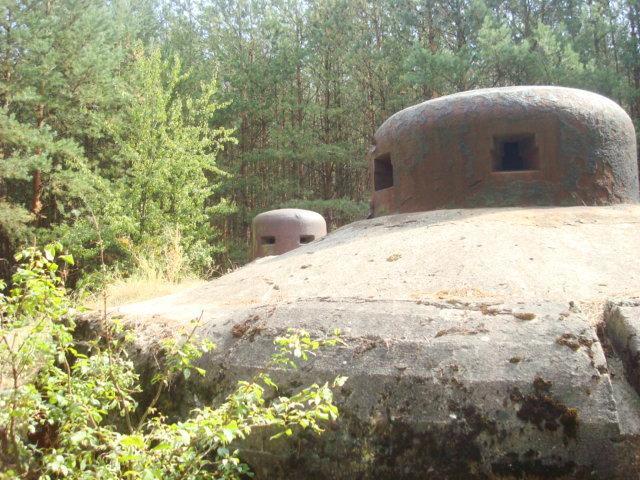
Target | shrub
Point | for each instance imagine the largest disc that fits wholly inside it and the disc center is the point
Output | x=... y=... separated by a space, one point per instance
x=69 y=410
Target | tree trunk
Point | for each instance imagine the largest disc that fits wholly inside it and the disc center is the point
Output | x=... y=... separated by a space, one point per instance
x=36 y=197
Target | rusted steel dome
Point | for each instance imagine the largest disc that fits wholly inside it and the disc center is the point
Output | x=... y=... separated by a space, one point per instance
x=514 y=146
x=278 y=231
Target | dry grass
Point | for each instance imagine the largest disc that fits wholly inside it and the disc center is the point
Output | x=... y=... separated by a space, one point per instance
x=136 y=289
x=160 y=270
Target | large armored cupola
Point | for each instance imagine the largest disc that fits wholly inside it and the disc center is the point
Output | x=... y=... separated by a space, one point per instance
x=514 y=146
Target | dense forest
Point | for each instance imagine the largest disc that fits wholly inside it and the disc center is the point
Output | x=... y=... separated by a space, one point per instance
x=133 y=129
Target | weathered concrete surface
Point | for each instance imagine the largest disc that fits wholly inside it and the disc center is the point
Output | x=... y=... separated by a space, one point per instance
x=623 y=329
x=438 y=390
x=574 y=148
x=441 y=390
x=472 y=347
x=279 y=231
x=581 y=254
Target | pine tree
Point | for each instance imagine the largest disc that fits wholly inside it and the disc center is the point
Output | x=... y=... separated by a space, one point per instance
x=59 y=89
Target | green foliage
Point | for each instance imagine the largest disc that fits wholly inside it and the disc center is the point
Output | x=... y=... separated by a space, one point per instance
x=111 y=112
x=69 y=410
x=162 y=178
x=100 y=145
x=301 y=345
x=58 y=90
x=168 y=156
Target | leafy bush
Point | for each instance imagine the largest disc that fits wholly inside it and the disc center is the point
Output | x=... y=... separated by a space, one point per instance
x=68 y=409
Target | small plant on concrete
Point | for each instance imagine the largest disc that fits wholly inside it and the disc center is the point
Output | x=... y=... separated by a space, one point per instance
x=68 y=408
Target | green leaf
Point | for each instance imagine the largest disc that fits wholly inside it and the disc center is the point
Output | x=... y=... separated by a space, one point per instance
x=228 y=435
x=68 y=259
x=164 y=446
x=78 y=437
x=50 y=253
x=340 y=381
x=135 y=441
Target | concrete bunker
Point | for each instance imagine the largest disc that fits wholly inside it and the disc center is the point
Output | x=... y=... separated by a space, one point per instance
x=278 y=231
x=421 y=325
x=504 y=147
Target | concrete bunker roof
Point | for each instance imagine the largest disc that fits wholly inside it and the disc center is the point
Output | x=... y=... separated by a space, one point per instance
x=585 y=253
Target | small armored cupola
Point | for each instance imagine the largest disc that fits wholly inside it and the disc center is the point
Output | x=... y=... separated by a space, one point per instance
x=279 y=231
x=505 y=147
